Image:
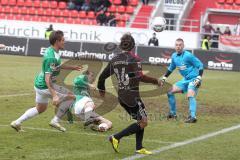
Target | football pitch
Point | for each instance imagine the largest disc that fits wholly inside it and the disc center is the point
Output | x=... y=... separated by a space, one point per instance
x=216 y=135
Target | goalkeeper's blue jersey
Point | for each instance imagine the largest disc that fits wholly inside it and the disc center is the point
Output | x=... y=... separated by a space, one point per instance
x=187 y=64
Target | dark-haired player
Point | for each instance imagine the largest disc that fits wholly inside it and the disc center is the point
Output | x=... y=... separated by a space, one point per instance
x=46 y=87
x=191 y=68
x=128 y=70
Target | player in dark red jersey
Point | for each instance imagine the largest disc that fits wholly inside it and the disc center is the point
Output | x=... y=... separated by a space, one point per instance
x=128 y=70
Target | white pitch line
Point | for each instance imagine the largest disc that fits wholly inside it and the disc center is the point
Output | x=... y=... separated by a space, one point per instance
x=88 y=134
x=15 y=95
x=183 y=143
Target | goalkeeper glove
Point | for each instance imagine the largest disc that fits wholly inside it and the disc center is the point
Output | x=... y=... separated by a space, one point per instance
x=197 y=81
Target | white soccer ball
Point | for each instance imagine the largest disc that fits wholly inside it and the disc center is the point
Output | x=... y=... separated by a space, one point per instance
x=158 y=24
x=102 y=127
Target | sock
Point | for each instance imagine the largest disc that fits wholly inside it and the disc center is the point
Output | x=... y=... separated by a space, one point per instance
x=172 y=103
x=32 y=112
x=133 y=128
x=63 y=108
x=192 y=106
x=139 y=139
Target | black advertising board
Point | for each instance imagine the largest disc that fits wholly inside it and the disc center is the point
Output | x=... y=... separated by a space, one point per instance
x=219 y=60
x=37 y=47
x=14 y=46
x=155 y=55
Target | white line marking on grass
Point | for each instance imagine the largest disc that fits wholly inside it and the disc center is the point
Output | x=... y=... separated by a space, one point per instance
x=87 y=133
x=15 y=95
x=183 y=143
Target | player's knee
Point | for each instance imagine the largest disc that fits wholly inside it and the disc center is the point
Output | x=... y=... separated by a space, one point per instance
x=143 y=123
x=41 y=108
x=191 y=94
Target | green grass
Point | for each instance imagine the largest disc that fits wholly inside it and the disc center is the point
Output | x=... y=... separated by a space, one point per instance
x=219 y=108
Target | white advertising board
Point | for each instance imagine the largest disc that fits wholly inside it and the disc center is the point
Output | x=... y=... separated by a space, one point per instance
x=74 y=32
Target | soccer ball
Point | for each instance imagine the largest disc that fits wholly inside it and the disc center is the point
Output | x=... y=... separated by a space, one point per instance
x=158 y=24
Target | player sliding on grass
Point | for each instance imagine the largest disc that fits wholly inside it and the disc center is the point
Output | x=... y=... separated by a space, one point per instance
x=191 y=68
x=127 y=68
x=46 y=87
x=84 y=107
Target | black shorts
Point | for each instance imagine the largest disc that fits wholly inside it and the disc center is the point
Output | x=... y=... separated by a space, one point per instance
x=138 y=112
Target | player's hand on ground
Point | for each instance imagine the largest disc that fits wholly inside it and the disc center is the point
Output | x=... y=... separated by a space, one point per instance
x=161 y=81
x=56 y=100
x=197 y=81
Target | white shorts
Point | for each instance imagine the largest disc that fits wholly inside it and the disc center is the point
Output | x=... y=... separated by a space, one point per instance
x=43 y=95
x=78 y=108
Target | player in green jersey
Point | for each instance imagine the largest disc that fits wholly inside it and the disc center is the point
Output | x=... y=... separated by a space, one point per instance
x=46 y=87
x=84 y=107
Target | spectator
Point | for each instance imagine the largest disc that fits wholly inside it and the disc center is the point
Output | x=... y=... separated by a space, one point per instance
x=101 y=18
x=215 y=37
x=111 y=19
x=206 y=42
x=71 y=5
x=86 y=5
x=208 y=29
x=79 y=4
x=153 y=41
x=227 y=31
x=48 y=31
x=94 y=5
x=145 y=2
x=237 y=28
x=125 y=2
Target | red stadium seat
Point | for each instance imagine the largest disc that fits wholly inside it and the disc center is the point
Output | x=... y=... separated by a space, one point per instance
x=91 y=15
x=43 y=19
x=40 y=11
x=227 y=6
x=112 y=8
x=229 y=2
x=19 y=17
x=237 y=2
x=52 y=19
x=62 y=5
x=107 y=14
x=37 y=4
x=27 y=18
x=4 y=2
x=45 y=4
x=28 y=3
x=221 y=1
x=117 y=2
x=53 y=4
x=2 y=16
x=118 y=16
x=129 y=9
x=48 y=12
x=10 y=16
x=134 y=2
x=56 y=12
x=121 y=9
x=15 y=10
x=82 y=14
x=7 y=9
x=20 y=3
x=125 y=17
x=36 y=18
x=12 y=2
x=66 y=13
x=61 y=20
x=32 y=11
x=70 y=20
x=73 y=13
x=77 y=21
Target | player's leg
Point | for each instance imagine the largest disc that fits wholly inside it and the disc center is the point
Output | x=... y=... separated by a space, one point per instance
x=191 y=94
x=101 y=124
x=42 y=97
x=67 y=99
x=176 y=88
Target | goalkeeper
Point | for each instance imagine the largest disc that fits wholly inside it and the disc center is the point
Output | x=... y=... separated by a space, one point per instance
x=191 y=68
x=84 y=107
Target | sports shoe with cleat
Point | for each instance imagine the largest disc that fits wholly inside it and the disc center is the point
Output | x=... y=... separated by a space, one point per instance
x=57 y=126
x=143 y=151
x=191 y=120
x=115 y=143
x=171 y=116
x=18 y=127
